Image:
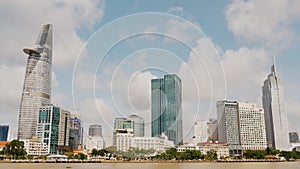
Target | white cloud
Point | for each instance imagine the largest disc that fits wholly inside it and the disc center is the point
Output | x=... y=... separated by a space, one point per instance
x=265 y=21
x=11 y=89
x=176 y=10
x=21 y=28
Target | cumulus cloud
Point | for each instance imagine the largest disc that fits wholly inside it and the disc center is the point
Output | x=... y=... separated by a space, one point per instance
x=21 y=28
x=254 y=21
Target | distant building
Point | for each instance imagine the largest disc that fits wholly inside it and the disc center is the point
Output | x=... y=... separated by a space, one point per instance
x=166 y=108
x=37 y=83
x=95 y=130
x=228 y=129
x=294 y=137
x=138 y=125
x=48 y=127
x=35 y=147
x=213 y=130
x=125 y=140
x=94 y=142
x=133 y=122
x=75 y=132
x=200 y=132
x=221 y=148
x=252 y=127
x=275 y=112
x=4 y=132
x=159 y=144
x=64 y=131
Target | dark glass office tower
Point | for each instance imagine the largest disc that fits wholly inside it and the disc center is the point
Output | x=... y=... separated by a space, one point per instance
x=3 y=132
x=37 y=83
x=166 y=110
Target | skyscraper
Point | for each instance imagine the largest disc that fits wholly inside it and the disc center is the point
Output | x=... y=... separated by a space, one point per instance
x=166 y=110
x=275 y=112
x=76 y=132
x=37 y=83
x=3 y=132
x=95 y=130
x=252 y=127
x=48 y=127
x=200 y=132
x=228 y=129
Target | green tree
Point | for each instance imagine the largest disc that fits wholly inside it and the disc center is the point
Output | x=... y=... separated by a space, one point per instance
x=81 y=156
x=211 y=155
x=15 y=150
x=94 y=152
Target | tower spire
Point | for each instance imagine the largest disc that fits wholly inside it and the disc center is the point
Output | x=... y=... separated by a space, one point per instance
x=274 y=65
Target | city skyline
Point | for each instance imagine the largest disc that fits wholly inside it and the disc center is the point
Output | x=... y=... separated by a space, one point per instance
x=245 y=56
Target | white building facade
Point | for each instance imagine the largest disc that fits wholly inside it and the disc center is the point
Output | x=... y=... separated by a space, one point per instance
x=125 y=140
x=200 y=132
x=35 y=147
x=275 y=112
x=94 y=142
x=252 y=127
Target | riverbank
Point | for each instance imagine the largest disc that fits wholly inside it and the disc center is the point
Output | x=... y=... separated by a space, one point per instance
x=146 y=161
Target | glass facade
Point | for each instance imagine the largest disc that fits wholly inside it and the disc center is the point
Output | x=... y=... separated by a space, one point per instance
x=37 y=83
x=275 y=112
x=48 y=127
x=166 y=110
x=3 y=132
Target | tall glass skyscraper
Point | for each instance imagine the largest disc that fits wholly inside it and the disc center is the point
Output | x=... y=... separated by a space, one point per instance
x=275 y=112
x=37 y=83
x=166 y=110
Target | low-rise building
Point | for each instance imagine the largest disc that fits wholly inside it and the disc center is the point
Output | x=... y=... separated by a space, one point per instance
x=159 y=144
x=125 y=140
x=221 y=148
x=35 y=147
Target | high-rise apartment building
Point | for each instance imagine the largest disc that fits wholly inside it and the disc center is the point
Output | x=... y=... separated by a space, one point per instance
x=228 y=129
x=200 y=132
x=95 y=130
x=252 y=127
x=76 y=132
x=166 y=108
x=275 y=112
x=37 y=83
x=3 y=132
x=64 y=128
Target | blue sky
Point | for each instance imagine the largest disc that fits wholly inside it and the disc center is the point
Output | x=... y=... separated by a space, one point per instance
x=235 y=42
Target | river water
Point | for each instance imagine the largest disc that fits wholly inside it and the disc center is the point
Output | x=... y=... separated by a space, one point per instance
x=261 y=165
